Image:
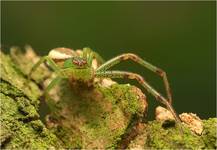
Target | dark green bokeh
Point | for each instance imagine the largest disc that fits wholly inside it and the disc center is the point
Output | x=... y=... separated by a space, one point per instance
x=176 y=36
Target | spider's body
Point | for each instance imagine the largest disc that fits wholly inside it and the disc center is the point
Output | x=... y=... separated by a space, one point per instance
x=71 y=65
x=78 y=66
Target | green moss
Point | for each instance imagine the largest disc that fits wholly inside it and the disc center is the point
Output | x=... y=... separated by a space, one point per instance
x=90 y=118
x=11 y=74
x=37 y=125
x=69 y=138
x=22 y=134
x=5 y=134
x=19 y=105
x=7 y=89
x=99 y=116
x=20 y=129
x=122 y=95
x=26 y=108
x=171 y=138
x=28 y=137
x=24 y=64
x=124 y=105
x=209 y=133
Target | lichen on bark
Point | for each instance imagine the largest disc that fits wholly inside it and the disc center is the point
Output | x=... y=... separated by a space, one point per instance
x=95 y=117
x=20 y=123
x=98 y=118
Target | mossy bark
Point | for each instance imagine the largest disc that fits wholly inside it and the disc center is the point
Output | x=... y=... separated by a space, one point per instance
x=21 y=126
x=98 y=116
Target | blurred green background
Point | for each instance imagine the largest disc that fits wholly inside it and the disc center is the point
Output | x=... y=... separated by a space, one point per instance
x=179 y=37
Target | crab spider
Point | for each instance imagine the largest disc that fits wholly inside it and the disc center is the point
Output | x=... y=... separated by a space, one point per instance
x=66 y=63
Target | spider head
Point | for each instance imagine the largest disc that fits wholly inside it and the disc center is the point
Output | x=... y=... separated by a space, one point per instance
x=68 y=58
x=75 y=62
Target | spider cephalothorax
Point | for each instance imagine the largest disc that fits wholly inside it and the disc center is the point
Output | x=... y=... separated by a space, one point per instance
x=77 y=66
x=71 y=64
x=80 y=62
x=65 y=58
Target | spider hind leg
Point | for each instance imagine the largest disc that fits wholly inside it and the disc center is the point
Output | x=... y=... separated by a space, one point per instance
x=130 y=56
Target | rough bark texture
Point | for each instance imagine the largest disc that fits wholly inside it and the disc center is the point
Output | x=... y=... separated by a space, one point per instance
x=101 y=116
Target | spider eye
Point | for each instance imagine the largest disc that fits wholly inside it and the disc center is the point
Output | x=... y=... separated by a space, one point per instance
x=75 y=62
x=80 y=62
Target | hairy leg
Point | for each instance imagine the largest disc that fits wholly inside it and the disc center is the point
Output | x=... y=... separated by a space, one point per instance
x=107 y=65
x=151 y=90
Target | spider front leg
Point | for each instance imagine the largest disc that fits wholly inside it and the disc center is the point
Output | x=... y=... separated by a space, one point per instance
x=88 y=51
x=140 y=79
x=42 y=60
x=51 y=85
x=53 y=66
x=142 y=62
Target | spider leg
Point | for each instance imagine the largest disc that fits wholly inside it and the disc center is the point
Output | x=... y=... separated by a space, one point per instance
x=142 y=62
x=52 y=84
x=140 y=79
x=42 y=60
x=99 y=59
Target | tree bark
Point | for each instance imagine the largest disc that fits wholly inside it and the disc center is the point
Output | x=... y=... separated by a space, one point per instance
x=104 y=115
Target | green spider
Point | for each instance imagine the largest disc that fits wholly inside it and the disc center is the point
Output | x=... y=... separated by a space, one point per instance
x=68 y=64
